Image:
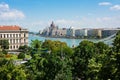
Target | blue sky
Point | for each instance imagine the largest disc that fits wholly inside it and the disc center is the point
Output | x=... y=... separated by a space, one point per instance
x=38 y=14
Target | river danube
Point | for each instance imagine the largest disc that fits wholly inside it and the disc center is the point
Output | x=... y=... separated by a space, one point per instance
x=70 y=42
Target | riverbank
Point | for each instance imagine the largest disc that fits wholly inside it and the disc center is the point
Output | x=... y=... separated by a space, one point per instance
x=69 y=37
x=70 y=41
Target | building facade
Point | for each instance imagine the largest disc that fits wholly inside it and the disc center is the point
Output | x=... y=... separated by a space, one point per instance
x=54 y=31
x=81 y=33
x=94 y=33
x=70 y=32
x=15 y=35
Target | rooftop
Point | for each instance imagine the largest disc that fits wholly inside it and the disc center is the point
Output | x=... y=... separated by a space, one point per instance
x=10 y=28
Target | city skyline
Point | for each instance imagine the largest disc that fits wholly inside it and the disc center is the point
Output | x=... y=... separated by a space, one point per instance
x=36 y=15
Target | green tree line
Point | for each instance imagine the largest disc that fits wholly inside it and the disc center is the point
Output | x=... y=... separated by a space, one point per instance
x=54 y=60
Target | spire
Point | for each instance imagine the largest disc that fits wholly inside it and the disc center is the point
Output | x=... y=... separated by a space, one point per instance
x=52 y=24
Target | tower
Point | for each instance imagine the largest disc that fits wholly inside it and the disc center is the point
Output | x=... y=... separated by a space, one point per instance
x=52 y=25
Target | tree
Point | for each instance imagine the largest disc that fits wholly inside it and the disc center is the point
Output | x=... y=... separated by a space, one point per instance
x=101 y=47
x=82 y=54
x=25 y=49
x=21 y=56
x=54 y=46
x=116 y=43
x=4 y=44
x=36 y=44
x=106 y=65
x=116 y=49
x=54 y=66
x=8 y=71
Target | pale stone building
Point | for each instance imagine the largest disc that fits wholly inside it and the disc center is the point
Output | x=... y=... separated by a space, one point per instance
x=70 y=32
x=54 y=31
x=15 y=35
x=81 y=32
x=94 y=33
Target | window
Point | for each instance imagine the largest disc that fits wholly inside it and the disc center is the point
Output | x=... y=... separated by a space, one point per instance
x=7 y=35
x=16 y=35
x=10 y=47
x=24 y=35
x=4 y=35
x=14 y=47
x=20 y=41
x=17 y=46
x=10 y=40
x=24 y=40
x=13 y=35
x=13 y=40
x=19 y=35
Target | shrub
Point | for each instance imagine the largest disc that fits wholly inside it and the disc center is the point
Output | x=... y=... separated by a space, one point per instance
x=2 y=55
x=4 y=51
x=8 y=55
x=21 y=56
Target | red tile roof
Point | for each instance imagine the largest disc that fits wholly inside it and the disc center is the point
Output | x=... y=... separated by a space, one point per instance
x=10 y=28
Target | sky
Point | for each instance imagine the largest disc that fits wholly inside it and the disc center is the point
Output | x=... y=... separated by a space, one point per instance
x=36 y=15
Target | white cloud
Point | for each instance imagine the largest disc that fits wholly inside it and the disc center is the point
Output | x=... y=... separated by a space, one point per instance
x=67 y=23
x=102 y=19
x=63 y=21
x=104 y=4
x=85 y=22
x=6 y=13
x=115 y=7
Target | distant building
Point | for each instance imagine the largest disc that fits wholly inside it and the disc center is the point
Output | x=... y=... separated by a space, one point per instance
x=15 y=35
x=81 y=32
x=70 y=32
x=45 y=32
x=40 y=32
x=59 y=32
x=54 y=31
x=94 y=33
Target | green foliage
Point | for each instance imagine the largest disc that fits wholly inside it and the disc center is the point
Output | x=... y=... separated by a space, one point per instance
x=8 y=71
x=25 y=49
x=36 y=44
x=2 y=62
x=21 y=56
x=50 y=67
x=56 y=65
x=83 y=53
x=4 y=44
x=35 y=47
x=116 y=43
x=57 y=47
x=54 y=60
x=101 y=47
x=4 y=51
x=2 y=55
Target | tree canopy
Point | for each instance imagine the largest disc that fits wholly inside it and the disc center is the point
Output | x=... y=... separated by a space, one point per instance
x=54 y=60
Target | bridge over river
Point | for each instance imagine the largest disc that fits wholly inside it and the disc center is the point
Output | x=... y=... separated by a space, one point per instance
x=108 y=40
